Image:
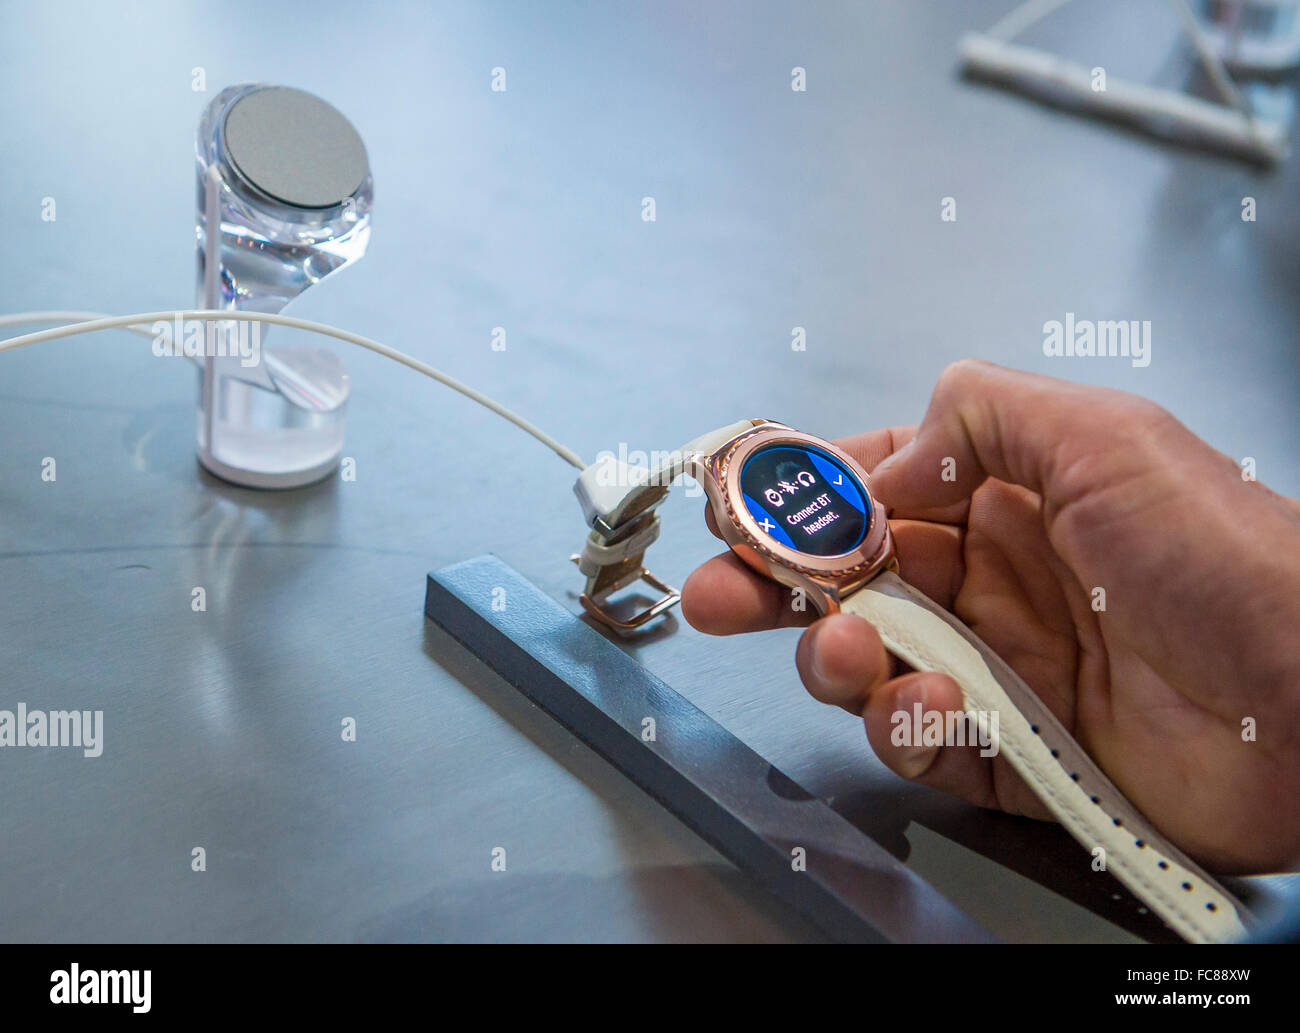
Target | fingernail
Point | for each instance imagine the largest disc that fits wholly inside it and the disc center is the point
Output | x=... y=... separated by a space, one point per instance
x=914 y=759
x=818 y=672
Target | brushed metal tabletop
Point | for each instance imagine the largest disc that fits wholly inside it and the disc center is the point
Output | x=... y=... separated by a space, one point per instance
x=522 y=209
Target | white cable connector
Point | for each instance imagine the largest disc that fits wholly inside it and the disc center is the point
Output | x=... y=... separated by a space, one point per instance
x=90 y=322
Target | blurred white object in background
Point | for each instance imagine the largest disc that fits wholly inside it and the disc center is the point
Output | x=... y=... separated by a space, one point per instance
x=1253 y=37
x=1232 y=125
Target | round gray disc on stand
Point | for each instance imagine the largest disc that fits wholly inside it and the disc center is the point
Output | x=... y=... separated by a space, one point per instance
x=295 y=148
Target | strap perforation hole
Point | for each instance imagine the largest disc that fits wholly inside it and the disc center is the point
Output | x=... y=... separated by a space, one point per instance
x=1140 y=844
x=1211 y=906
x=1116 y=822
x=1164 y=866
x=1074 y=776
x=1187 y=886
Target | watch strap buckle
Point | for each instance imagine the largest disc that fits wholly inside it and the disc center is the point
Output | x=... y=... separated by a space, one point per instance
x=594 y=605
x=611 y=566
x=618 y=503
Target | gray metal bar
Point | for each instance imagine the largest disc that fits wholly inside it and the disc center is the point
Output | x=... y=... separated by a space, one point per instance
x=753 y=814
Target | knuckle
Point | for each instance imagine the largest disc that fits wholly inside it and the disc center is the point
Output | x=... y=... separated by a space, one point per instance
x=961 y=373
x=962 y=382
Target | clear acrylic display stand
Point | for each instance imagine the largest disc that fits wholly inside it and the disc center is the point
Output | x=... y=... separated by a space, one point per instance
x=287 y=180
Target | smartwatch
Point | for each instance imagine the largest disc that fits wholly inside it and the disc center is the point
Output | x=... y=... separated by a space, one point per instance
x=796 y=508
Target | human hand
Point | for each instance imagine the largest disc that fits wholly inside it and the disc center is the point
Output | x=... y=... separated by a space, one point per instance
x=1057 y=491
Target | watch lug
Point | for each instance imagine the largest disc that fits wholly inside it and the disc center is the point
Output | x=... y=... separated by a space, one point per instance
x=830 y=596
x=824 y=595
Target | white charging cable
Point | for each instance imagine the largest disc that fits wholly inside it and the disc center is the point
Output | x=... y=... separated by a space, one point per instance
x=89 y=322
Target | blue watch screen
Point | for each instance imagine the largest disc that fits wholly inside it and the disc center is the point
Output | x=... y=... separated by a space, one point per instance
x=805 y=499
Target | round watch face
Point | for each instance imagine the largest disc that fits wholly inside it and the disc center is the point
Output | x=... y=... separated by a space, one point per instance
x=805 y=499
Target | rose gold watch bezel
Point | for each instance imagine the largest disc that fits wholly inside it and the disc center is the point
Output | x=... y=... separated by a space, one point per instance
x=835 y=575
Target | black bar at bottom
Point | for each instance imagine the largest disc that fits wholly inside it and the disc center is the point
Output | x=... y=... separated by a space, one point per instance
x=753 y=814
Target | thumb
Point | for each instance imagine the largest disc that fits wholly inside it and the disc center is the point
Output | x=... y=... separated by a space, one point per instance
x=990 y=421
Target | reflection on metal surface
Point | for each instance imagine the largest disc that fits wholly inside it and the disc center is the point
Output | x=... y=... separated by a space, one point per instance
x=797 y=847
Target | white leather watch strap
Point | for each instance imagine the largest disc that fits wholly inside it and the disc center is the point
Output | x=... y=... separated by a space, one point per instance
x=618 y=503
x=1046 y=756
